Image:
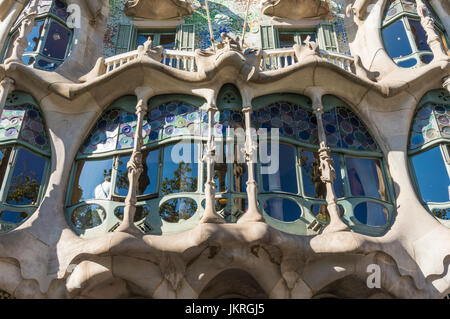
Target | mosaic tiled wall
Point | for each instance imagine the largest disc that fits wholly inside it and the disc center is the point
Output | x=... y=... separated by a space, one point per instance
x=227 y=16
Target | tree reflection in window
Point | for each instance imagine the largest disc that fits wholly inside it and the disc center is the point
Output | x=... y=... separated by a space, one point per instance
x=178 y=209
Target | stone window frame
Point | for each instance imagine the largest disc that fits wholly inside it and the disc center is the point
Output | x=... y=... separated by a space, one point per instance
x=18 y=98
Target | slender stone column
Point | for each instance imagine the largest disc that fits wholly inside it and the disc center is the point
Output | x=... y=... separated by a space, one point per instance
x=328 y=174
x=6 y=87
x=433 y=38
x=253 y=214
x=135 y=169
x=210 y=215
x=21 y=42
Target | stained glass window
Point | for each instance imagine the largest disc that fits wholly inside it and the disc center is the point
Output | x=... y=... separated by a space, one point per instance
x=405 y=39
x=24 y=160
x=50 y=38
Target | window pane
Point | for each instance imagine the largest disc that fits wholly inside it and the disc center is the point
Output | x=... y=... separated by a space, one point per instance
x=282 y=209
x=366 y=177
x=142 y=38
x=167 y=41
x=396 y=41
x=12 y=217
x=180 y=168
x=432 y=175
x=321 y=211
x=442 y=213
x=140 y=214
x=371 y=214
x=420 y=36
x=92 y=181
x=220 y=169
x=407 y=63
x=287 y=40
x=147 y=180
x=285 y=177
x=26 y=179
x=34 y=36
x=174 y=210
x=57 y=41
x=88 y=216
x=5 y=152
x=305 y=35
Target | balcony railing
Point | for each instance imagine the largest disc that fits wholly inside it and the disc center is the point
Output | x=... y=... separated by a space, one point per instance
x=274 y=59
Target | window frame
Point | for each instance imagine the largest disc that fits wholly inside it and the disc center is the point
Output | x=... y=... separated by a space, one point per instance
x=156 y=33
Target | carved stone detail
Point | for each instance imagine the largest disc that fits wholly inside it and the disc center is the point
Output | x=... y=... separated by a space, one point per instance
x=296 y=9
x=6 y=87
x=158 y=9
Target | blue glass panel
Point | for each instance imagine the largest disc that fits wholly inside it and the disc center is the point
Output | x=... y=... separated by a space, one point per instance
x=282 y=169
x=282 y=209
x=60 y=9
x=180 y=208
x=12 y=217
x=46 y=65
x=180 y=168
x=371 y=214
x=396 y=40
x=34 y=36
x=93 y=180
x=57 y=40
x=407 y=63
x=88 y=216
x=420 y=36
x=26 y=179
x=426 y=58
x=432 y=176
x=366 y=177
x=442 y=213
x=140 y=214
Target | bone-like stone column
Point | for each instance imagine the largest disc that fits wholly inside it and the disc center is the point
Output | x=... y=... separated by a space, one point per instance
x=210 y=215
x=253 y=214
x=433 y=38
x=328 y=174
x=135 y=166
x=21 y=42
x=6 y=87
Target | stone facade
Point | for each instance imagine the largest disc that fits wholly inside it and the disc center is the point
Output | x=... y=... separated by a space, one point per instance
x=213 y=255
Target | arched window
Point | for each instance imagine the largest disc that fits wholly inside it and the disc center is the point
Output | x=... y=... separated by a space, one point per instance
x=404 y=38
x=169 y=194
x=49 y=40
x=24 y=160
x=430 y=154
x=291 y=192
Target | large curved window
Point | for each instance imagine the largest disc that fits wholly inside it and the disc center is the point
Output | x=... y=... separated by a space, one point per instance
x=49 y=40
x=168 y=191
x=429 y=151
x=291 y=193
x=404 y=38
x=24 y=160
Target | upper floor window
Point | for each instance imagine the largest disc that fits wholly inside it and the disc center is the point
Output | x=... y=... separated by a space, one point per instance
x=404 y=38
x=429 y=151
x=295 y=193
x=49 y=40
x=24 y=160
x=164 y=38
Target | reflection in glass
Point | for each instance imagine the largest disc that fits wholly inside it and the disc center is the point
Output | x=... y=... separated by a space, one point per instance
x=442 y=213
x=140 y=214
x=241 y=205
x=57 y=41
x=366 y=177
x=88 y=216
x=34 y=36
x=220 y=203
x=180 y=168
x=92 y=180
x=287 y=40
x=285 y=177
x=282 y=209
x=220 y=169
x=174 y=210
x=26 y=179
x=12 y=216
x=147 y=180
x=167 y=41
x=321 y=211
x=396 y=40
x=420 y=36
x=5 y=152
x=371 y=214
x=432 y=176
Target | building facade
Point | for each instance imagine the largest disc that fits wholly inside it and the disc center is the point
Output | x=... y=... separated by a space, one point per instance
x=224 y=149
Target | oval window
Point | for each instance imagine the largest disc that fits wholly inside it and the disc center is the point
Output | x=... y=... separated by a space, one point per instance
x=283 y=209
x=88 y=216
x=371 y=214
x=178 y=209
x=141 y=212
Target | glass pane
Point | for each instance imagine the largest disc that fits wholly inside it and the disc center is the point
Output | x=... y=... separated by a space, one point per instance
x=432 y=176
x=366 y=177
x=305 y=35
x=220 y=203
x=426 y=58
x=407 y=63
x=147 y=180
x=312 y=184
x=284 y=177
x=26 y=179
x=321 y=211
x=167 y=41
x=442 y=213
x=396 y=41
x=92 y=180
x=5 y=152
x=220 y=169
x=12 y=217
x=420 y=36
x=174 y=210
x=142 y=38
x=287 y=40
x=141 y=212
x=282 y=209
x=88 y=216
x=180 y=169
x=60 y=9
x=241 y=205
x=371 y=214
x=58 y=38
x=34 y=36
